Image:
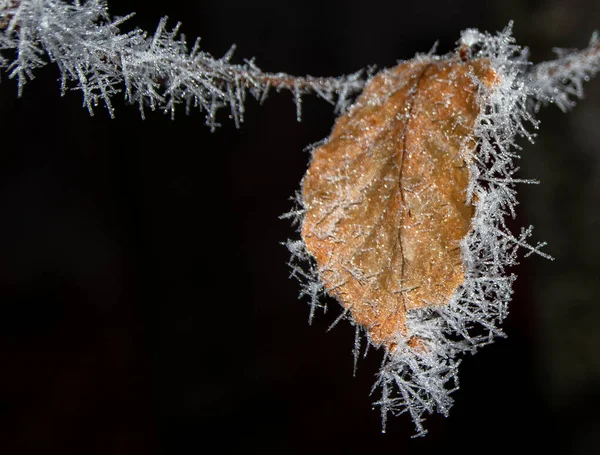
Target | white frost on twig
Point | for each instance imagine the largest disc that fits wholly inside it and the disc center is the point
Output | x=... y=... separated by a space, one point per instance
x=560 y=81
x=156 y=71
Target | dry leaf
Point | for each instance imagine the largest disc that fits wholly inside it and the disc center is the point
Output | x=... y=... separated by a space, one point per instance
x=386 y=195
x=403 y=210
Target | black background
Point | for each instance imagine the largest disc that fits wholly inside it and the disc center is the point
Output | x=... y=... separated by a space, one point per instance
x=145 y=305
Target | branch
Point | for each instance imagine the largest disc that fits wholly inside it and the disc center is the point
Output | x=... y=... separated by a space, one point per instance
x=158 y=71
x=560 y=80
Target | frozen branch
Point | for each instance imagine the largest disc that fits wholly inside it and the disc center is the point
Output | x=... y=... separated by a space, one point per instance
x=158 y=71
x=559 y=81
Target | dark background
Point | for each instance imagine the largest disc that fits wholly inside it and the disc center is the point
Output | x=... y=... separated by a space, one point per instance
x=145 y=305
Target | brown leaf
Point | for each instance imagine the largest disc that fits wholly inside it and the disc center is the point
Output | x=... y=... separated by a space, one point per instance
x=385 y=197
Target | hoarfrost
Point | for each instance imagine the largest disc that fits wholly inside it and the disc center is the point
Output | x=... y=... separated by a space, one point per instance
x=561 y=80
x=156 y=71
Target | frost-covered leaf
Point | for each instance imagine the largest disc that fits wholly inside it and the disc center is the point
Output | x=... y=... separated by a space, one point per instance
x=404 y=215
x=386 y=196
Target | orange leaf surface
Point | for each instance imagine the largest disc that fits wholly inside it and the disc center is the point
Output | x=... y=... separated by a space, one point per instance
x=386 y=196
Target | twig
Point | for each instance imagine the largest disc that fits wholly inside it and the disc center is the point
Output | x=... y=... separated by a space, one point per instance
x=560 y=80
x=157 y=71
